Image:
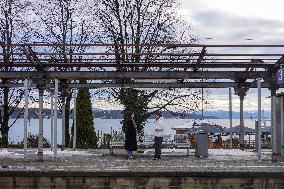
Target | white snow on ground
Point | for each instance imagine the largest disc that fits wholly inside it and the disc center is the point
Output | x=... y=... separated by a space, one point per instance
x=212 y=152
x=5 y=152
x=218 y=153
x=18 y=153
x=230 y=152
x=68 y=153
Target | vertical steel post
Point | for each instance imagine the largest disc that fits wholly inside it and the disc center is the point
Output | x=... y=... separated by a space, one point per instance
x=55 y=117
x=40 y=131
x=241 y=92
x=231 y=117
x=63 y=122
x=75 y=120
x=282 y=125
x=256 y=135
x=26 y=118
x=52 y=119
x=273 y=125
x=241 y=135
x=259 y=118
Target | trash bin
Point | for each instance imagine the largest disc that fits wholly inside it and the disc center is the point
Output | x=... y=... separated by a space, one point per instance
x=201 y=144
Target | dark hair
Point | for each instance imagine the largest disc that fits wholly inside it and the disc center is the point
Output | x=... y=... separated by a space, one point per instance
x=128 y=114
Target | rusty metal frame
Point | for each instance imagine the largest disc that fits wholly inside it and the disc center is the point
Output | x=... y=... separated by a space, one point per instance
x=173 y=63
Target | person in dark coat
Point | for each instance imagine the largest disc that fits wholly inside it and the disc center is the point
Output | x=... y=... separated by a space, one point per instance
x=130 y=135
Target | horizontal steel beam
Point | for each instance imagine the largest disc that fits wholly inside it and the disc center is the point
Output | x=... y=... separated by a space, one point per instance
x=139 y=45
x=156 y=64
x=165 y=85
x=90 y=75
x=145 y=85
x=146 y=53
x=78 y=60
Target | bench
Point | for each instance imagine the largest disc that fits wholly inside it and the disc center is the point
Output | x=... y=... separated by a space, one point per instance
x=177 y=143
x=116 y=144
x=184 y=145
x=143 y=145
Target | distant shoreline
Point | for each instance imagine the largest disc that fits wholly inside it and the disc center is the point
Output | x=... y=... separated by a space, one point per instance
x=116 y=114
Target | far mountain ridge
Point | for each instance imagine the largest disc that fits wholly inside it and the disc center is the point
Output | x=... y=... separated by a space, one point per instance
x=116 y=114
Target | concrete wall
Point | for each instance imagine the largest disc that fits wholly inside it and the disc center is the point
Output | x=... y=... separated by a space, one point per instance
x=138 y=182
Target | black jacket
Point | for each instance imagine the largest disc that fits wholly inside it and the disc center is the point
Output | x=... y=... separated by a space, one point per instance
x=130 y=136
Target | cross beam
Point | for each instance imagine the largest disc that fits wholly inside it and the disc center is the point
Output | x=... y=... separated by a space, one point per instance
x=32 y=57
x=147 y=85
x=200 y=58
x=99 y=75
x=145 y=65
x=280 y=62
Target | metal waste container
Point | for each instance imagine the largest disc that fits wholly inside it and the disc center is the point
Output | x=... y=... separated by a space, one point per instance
x=201 y=144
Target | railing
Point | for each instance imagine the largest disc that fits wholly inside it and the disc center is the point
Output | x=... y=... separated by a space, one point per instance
x=249 y=144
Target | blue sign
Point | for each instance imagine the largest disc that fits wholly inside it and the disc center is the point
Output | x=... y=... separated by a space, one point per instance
x=280 y=76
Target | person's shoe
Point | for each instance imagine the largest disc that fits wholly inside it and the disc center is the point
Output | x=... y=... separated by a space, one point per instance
x=130 y=157
x=155 y=158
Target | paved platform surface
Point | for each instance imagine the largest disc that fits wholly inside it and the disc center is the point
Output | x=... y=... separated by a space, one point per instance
x=173 y=162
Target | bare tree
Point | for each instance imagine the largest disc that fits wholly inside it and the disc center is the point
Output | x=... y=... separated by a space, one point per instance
x=65 y=22
x=13 y=29
x=146 y=22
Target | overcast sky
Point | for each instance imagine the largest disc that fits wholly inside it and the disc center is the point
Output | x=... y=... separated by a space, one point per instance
x=234 y=22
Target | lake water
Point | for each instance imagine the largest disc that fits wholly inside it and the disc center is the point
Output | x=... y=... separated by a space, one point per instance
x=16 y=132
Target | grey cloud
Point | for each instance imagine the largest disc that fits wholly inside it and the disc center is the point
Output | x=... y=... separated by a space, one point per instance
x=227 y=27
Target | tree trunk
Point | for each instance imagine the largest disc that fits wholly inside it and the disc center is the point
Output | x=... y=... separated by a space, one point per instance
x=67 y=115
x=5 y=124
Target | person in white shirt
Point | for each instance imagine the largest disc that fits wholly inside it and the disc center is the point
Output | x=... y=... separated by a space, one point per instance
x=158 y=133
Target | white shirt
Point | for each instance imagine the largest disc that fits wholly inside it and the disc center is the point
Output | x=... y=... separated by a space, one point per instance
x=159 y=128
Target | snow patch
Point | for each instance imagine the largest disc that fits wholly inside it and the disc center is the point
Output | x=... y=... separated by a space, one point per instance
x=230 y=152
x=46 y=152
x=212 y=152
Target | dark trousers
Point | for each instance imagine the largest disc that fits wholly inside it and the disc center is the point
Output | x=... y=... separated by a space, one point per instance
x=158 y=146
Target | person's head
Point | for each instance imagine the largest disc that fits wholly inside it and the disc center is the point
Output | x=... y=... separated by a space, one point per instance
x=129 y=115
x=157 y=115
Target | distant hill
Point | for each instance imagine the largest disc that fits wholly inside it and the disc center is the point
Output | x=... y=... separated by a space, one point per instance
x=116 y=114
x=106 y=114
x=236 y=115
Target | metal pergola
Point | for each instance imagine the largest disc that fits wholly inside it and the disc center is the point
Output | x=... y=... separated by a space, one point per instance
x=168 y=61
x=133 y=65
